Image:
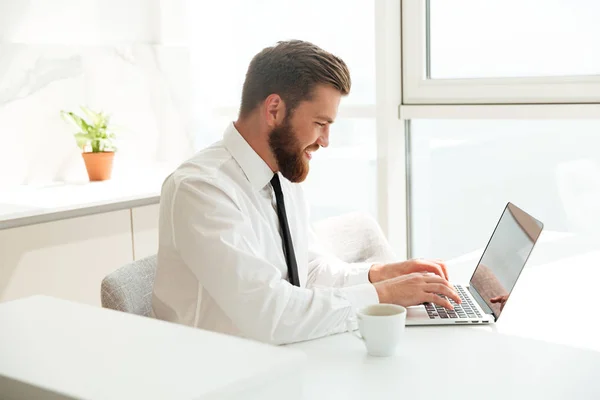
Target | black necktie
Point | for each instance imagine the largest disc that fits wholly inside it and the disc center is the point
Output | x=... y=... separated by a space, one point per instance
x=288 y=248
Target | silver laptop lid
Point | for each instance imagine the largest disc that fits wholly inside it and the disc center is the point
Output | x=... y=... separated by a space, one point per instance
x=505 y=257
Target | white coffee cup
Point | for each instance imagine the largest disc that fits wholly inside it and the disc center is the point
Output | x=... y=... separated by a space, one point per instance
x=381 y=327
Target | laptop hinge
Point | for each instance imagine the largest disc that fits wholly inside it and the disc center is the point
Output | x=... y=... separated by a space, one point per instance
x=486 y=309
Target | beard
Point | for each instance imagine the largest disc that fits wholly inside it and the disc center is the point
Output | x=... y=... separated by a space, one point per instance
x=289 y=153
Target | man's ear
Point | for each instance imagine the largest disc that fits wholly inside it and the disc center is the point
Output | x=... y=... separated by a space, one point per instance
x=274 y=111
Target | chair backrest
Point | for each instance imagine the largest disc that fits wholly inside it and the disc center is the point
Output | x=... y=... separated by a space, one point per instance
x=354 y=237
x=129 y=288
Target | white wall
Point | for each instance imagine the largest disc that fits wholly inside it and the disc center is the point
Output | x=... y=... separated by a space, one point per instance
x=89 y=22
x=128 y=58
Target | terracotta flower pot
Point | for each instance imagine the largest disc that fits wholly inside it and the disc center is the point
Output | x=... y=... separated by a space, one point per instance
x=99 y=165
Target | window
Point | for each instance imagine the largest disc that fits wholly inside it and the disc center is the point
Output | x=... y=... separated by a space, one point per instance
x=513 y=38
x=225 y=35
x=502 y=103
x=343 y=176
x=465 y=171
x=510 y=52
x=494 y=95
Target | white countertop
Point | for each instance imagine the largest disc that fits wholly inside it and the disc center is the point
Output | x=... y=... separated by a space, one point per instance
x=33 y=204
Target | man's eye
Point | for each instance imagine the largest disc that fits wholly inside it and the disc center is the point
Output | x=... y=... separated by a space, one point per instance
x=320 y=124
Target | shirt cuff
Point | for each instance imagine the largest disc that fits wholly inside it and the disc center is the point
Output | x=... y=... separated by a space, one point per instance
x=361 y=296
x=359 y=274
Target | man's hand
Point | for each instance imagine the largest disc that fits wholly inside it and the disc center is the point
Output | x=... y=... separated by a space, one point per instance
x=416 y=288
x=381 y=272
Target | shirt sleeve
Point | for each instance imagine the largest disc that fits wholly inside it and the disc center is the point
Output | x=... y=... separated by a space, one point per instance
x=216 y=241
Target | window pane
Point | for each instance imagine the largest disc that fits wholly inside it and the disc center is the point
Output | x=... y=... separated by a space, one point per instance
x=343 y=176
x=463 y=172
x=514 y=38
x=225 y=35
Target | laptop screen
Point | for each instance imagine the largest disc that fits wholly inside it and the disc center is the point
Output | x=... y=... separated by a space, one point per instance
x=505 y=256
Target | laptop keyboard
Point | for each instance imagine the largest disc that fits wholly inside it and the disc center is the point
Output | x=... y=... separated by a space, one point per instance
x=464 y=310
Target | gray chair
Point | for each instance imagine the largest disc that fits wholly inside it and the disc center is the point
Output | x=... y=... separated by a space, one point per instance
x=129 y=288
x=353 y=237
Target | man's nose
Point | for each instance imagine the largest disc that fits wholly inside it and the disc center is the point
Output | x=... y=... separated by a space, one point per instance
x=323 y=140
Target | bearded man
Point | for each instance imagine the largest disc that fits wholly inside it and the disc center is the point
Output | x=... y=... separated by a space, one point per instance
x=236 y=252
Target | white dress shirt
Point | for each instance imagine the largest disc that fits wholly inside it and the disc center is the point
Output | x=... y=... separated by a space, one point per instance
x=221 y=265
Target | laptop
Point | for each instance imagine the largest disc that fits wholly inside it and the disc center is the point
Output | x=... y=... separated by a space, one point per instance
x=497 y=272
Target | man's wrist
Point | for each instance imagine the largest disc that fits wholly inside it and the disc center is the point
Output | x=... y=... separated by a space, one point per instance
x=376 y=273
x=382 y=292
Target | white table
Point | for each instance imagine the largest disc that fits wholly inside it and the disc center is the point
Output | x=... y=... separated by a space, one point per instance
x=556 y=295
x=453 y=363
x=553 y=353
x=55 y=349
x=93 y=353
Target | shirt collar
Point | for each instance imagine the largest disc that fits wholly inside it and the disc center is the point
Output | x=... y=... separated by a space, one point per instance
x=255 y=168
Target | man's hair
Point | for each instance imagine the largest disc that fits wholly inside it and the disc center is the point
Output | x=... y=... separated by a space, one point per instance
x=292 y=69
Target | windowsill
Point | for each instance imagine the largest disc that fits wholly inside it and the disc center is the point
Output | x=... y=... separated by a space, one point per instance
x=34 y=204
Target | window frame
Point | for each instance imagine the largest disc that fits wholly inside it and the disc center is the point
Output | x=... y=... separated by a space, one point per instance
x=418 y=88
x=568 y=97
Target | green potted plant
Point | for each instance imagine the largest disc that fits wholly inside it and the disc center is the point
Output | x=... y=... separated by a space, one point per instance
x=96 y=139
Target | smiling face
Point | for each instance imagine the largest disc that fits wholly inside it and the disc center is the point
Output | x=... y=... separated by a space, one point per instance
x=293 y=141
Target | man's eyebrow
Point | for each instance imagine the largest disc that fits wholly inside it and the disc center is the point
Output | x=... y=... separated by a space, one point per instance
x=329 y=120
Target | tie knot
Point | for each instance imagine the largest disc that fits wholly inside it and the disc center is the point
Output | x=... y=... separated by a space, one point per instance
x=276 y=183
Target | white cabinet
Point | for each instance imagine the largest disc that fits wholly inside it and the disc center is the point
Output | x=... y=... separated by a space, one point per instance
x=66 y=258
x=145 y=230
